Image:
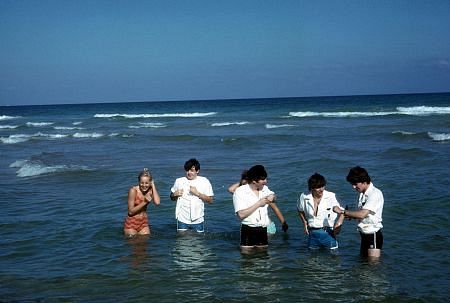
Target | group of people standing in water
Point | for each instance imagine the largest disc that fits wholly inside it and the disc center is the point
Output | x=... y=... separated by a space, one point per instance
x=319 y=211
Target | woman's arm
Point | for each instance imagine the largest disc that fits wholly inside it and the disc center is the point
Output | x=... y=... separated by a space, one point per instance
x=233 y=187
x=280 y=216
x=156 y=198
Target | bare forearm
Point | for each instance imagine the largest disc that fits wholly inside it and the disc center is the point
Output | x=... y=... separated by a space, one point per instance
x=277 y=212
x=244 y=213
x=156 y=197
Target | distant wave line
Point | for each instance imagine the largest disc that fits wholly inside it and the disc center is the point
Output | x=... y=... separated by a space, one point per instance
x=424 y=110
x=405 y=133
x=414 y=111
x=4 y=117
x=148 y=125
x=271 y=126
x=19 y=138
x=67 y=128
x=29 y=168
x=229 y=123
x=173 y=115
x=439 y=136
x=8 y=126
x=39 y=124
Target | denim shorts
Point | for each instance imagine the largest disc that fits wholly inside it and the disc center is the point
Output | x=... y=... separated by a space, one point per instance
x=322 y=238
x=199 y=227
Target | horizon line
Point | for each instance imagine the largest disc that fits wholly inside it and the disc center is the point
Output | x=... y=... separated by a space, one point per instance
x=230 y=99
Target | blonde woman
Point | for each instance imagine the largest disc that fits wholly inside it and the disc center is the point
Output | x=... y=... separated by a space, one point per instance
x=139 y=197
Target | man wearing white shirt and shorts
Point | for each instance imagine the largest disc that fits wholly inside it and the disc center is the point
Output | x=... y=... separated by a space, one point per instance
x=191 y=193
x=251 y=203
x=369 y=213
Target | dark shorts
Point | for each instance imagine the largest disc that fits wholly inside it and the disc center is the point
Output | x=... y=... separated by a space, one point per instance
x=253 y=236
x=368 y=241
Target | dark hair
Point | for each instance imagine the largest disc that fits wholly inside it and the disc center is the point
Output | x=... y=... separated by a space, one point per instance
x=244 y=178
x=192 y=162
x=358 y=174
x=256 y=173
x=145 y=173
x=316 y=181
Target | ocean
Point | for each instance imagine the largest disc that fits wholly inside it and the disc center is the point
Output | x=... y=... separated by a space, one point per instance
x=65 y=171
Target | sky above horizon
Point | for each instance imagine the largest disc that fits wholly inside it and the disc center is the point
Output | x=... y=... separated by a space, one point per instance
x=56 y=52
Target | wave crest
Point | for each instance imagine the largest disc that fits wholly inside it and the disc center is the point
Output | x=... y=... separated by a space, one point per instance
x=424 y=110
x=168 y=115
x=39 y=124
x=32 y=168
x=413 y=110
x=4 y=117
x=229 y=123
x=439 y=137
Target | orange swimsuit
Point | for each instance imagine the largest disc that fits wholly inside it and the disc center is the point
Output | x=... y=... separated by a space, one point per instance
x=138 y=221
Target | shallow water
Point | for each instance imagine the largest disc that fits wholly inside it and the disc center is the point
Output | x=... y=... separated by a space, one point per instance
x=65 y=172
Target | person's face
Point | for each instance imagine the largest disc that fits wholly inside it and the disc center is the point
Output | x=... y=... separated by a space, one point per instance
x=144 y=183
x=360 y=187
x=192 y=173
x=318 y=192
x=260 y=184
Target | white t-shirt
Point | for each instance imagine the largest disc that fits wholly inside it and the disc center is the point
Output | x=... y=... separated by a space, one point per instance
x=325 y=214
x=373 y=201
x=244 y=197
x=190 y=209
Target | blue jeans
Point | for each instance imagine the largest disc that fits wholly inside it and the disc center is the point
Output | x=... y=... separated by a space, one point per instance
x=199 y=227
x=322 y=238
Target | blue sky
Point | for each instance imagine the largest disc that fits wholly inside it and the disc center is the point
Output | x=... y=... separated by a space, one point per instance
x=81 y=51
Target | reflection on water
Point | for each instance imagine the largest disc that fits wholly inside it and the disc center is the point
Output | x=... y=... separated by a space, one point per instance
x=139 y=254
x=256 y=276
x=190 y=251
x=194 y=262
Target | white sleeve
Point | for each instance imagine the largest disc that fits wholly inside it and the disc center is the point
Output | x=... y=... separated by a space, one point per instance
x=301 y=203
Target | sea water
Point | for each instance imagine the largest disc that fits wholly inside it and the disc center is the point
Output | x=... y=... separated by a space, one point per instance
x=65 y=171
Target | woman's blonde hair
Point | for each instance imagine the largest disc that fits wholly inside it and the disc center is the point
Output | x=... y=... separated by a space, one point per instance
x=145 y=173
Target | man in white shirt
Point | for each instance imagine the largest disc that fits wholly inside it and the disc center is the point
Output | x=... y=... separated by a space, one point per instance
x=251 y=203
x=315 y=210
x=369 y=212
x=191 y=193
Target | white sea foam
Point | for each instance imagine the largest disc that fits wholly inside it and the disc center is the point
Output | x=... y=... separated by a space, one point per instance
x=403 y=133
x=8 y=126
x=3 y=117
x=29 y=168
x=339 y=114
x=270 y=126
x=173 y=115
x=424 y=110
x=230 y=123
x=148 y=125
x=13 y=139
x=439 y=137
x=77 y=123
x=414 y=110
x=88 y=135
x=67 y=128
x=39 y=124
